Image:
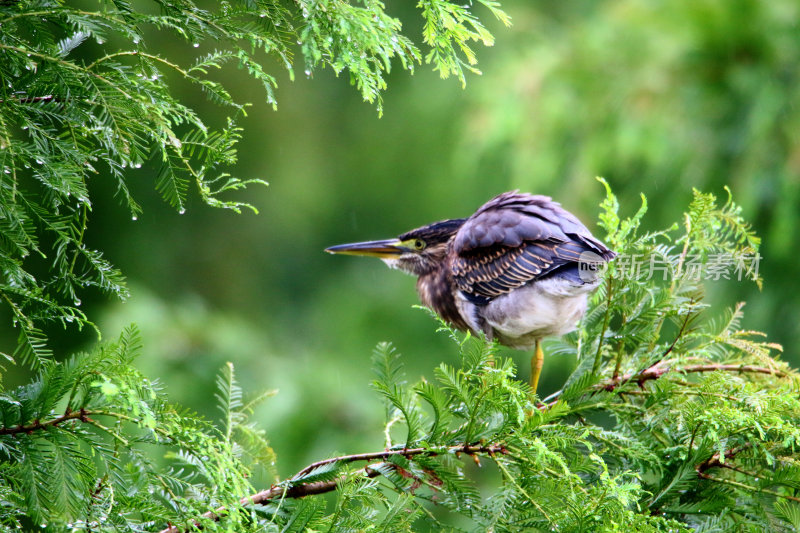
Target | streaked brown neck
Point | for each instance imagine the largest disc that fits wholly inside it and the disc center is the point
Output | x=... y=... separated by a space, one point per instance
x=436 y=291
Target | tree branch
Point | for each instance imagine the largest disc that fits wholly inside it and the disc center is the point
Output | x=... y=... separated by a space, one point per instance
x=298 y=490
x=33 y=99
x=717 y=460
x=36 y=425
x=656 y=372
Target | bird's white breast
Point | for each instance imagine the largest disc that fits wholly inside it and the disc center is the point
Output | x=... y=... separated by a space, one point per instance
x=544 y=308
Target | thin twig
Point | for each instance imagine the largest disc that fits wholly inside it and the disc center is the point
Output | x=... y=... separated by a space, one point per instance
x=655 y=372
x=288 y=490
x=606 y=320
x=718 y=461
x=32 y=99
x=37 y=425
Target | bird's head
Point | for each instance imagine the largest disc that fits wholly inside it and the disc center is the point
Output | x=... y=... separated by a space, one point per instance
x=416 y=252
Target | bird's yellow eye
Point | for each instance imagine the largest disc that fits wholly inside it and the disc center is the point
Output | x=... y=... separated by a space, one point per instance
x=414 y=244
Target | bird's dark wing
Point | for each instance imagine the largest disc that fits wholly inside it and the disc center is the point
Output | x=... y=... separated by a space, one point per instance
x=514 y=239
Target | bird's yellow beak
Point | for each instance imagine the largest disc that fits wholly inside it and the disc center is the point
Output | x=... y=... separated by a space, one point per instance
x=386 y=249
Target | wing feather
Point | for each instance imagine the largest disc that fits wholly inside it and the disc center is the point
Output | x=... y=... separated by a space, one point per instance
x=514 y=239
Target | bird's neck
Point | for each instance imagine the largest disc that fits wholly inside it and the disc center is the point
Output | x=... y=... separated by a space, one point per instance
x=436 y=291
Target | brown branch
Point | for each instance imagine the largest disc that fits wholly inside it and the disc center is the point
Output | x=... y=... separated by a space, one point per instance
x=655 y=372
x=718 y=460
x=299 y=490
x=36 y=425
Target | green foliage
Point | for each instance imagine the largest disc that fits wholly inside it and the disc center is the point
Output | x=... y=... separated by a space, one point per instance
x=448 y=30
x=671 y=421
x=82 y=95
x=674 y=418
x=77 y=448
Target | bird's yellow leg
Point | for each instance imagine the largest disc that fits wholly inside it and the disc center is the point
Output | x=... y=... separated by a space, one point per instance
x=536 y=365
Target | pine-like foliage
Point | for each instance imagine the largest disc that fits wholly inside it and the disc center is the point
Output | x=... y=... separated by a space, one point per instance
x=674 y=419
x=77 y=446
x=82 y=95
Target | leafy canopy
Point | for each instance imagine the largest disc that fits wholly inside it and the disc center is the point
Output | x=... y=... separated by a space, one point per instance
x=82 y=95
x=674 y=419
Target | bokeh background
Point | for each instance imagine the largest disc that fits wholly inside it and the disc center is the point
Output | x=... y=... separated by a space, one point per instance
x=656 y=96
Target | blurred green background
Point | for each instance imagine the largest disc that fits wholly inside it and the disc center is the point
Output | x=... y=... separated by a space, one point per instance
x=657 y=97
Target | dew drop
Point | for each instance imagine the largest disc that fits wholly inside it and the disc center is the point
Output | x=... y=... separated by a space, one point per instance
x=308 y=72
x=78 y=302
x=134 y=218
x=196 y=45
x=138 y=165
x=182 y=210
x=100 y=41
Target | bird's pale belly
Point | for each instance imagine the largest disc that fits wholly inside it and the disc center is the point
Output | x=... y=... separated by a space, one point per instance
x=546 y=308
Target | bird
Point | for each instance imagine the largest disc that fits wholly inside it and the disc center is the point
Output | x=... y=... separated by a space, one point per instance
x=517 y=270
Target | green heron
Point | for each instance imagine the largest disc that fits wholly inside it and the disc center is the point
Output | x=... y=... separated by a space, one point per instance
x=519 y=269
